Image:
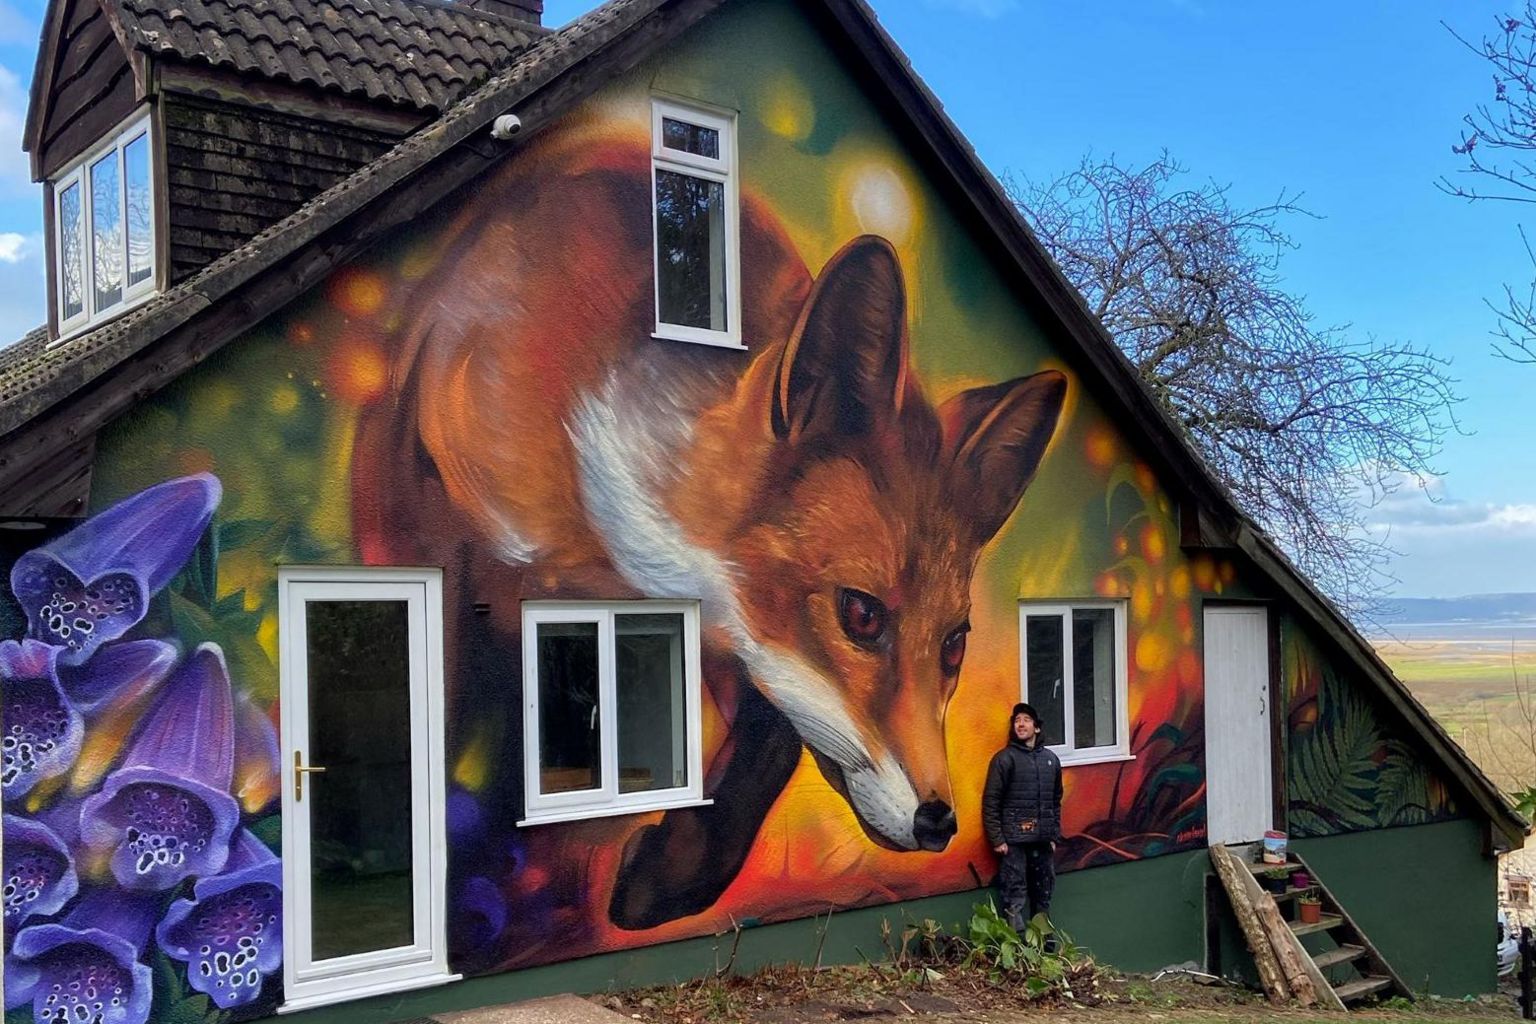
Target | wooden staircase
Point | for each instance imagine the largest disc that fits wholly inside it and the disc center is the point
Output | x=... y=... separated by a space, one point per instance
x=1347 y=971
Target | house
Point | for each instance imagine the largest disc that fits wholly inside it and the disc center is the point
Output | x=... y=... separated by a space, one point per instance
x=493 y=508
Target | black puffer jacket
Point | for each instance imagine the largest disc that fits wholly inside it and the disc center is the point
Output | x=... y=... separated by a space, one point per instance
x=1022 y=800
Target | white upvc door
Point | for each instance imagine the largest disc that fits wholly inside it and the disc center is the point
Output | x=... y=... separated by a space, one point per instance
x=364 y=837
x=1238 y=765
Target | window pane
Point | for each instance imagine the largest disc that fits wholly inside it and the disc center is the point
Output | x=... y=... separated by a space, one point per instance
x=107 y=228
x=690 y=138
x=71 y=264
x=140 y=232
x=1093 y=677
x=690 y=261
x=1045 y=651
x=653 y=740
x=570 y=723
x=360 y=808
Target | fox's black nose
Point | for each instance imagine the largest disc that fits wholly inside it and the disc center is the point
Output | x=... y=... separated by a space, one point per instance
x=933 y=825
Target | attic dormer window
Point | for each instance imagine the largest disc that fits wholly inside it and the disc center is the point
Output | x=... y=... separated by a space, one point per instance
x=103 y=227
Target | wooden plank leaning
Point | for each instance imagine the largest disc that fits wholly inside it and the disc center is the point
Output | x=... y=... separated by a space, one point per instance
x=1232 y=874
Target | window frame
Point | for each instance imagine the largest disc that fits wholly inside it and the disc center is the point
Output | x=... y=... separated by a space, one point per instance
x=1067 y=751
x=138 y=124
x=723 y=170
x=607 y=800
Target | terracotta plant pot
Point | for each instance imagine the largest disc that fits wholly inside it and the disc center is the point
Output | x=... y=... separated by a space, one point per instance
x=1310 y=911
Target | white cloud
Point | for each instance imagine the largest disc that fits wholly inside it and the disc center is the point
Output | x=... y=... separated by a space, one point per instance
x=23 y=303
x=15 y=246
x=1423 y=505
x=15 y=167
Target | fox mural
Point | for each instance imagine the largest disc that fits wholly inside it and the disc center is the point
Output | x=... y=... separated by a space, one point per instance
x=825 y=514
x=858 y=499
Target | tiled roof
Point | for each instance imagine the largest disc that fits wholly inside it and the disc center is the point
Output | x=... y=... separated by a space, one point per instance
x=34 y=375
x=416 y=53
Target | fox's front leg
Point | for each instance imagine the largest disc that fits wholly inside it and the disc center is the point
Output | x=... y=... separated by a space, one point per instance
x=681 y=865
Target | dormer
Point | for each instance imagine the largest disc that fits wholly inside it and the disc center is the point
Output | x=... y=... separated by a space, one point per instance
x=167 y=133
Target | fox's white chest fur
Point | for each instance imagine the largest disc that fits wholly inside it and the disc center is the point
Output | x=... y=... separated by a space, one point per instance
x=628 y=446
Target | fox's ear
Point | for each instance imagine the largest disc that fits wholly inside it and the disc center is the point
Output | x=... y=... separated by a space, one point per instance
x=997 y=436
x=846 y=361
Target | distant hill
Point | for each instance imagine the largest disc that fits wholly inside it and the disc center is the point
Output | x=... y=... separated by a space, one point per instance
x=1480 y=608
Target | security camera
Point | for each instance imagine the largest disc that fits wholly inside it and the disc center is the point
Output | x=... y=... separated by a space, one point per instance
x=505 y=126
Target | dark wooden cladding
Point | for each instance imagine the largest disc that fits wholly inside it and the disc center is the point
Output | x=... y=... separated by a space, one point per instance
x=59 y=487
x=93 y=88
x=234 y=169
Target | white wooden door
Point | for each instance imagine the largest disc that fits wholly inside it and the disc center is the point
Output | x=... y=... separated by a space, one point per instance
x=364 y=873
x=1238 y=766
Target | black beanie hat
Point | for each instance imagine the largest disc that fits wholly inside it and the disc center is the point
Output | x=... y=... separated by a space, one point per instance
x=1025 y=709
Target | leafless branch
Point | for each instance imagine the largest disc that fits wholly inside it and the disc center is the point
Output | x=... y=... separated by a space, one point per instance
x=1497 y=140
x=1300 y=421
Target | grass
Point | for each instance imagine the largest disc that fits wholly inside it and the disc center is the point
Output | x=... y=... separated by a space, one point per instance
x=1469 y=687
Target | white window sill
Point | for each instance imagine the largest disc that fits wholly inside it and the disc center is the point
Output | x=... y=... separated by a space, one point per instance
x=661 y=334
x=102 y=319
x=1093 y=757
x=364 y=991
x=608 y=811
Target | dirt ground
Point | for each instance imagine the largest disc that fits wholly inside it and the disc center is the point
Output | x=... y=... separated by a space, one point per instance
x=880 y=993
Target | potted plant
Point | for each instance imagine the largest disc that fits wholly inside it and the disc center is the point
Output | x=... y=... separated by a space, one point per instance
x=1300 y=879
x=1276 y=880
x=1309 y=908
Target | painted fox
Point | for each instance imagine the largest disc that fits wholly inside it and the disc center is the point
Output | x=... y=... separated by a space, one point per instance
x=539 y=442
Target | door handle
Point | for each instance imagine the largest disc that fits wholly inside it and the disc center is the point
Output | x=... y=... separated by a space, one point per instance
x=300 y=769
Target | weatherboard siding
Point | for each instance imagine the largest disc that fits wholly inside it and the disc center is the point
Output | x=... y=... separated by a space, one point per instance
x=235 y=169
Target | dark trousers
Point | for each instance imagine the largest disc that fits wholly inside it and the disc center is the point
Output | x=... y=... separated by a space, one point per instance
x=1027 y=876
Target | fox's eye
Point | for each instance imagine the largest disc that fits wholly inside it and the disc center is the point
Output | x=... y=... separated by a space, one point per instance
x=953 y=651
x=864 y=616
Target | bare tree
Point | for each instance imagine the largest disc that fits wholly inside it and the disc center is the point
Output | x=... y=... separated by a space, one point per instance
x=1498 y=139
x=1299 y=421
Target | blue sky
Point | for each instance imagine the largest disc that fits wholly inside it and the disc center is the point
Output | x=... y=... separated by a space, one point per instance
x=1353 y=105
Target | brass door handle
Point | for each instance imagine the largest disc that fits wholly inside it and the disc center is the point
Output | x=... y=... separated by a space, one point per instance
x=300 y=769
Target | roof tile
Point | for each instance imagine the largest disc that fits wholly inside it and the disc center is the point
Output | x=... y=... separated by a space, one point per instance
x=416 y=53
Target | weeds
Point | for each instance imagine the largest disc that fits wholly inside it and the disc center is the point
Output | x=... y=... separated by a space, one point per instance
x=986 y=962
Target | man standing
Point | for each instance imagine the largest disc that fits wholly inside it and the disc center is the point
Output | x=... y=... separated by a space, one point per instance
x=1021 y=811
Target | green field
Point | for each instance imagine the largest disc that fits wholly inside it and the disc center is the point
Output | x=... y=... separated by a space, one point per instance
x=1483 y=691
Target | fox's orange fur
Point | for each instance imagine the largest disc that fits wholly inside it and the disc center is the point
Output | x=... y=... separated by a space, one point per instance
x=540 y=443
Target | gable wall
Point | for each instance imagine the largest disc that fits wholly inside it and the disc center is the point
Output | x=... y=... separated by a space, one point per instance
x=234 y=169
x=426 y=407
x=93 y=87
x=1350 y=764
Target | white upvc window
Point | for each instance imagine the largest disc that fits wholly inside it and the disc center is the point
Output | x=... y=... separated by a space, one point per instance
x=611 y=708
x=104 y=228
x=1073 y=666
x=695 y=209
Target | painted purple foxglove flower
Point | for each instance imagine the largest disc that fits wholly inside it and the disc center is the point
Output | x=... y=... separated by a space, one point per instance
x=39 y=872
x=94 y=583
x=230 y=934
x=42 y=729
x=85 y=969
x=125 y=670
x=257 y=757
x=166 y=813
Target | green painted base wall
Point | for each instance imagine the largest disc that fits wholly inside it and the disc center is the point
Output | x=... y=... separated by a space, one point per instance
x=1138 y=916
x=1425 y=895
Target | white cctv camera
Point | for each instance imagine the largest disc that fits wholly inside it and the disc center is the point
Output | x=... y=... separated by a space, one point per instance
x=505 y=126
